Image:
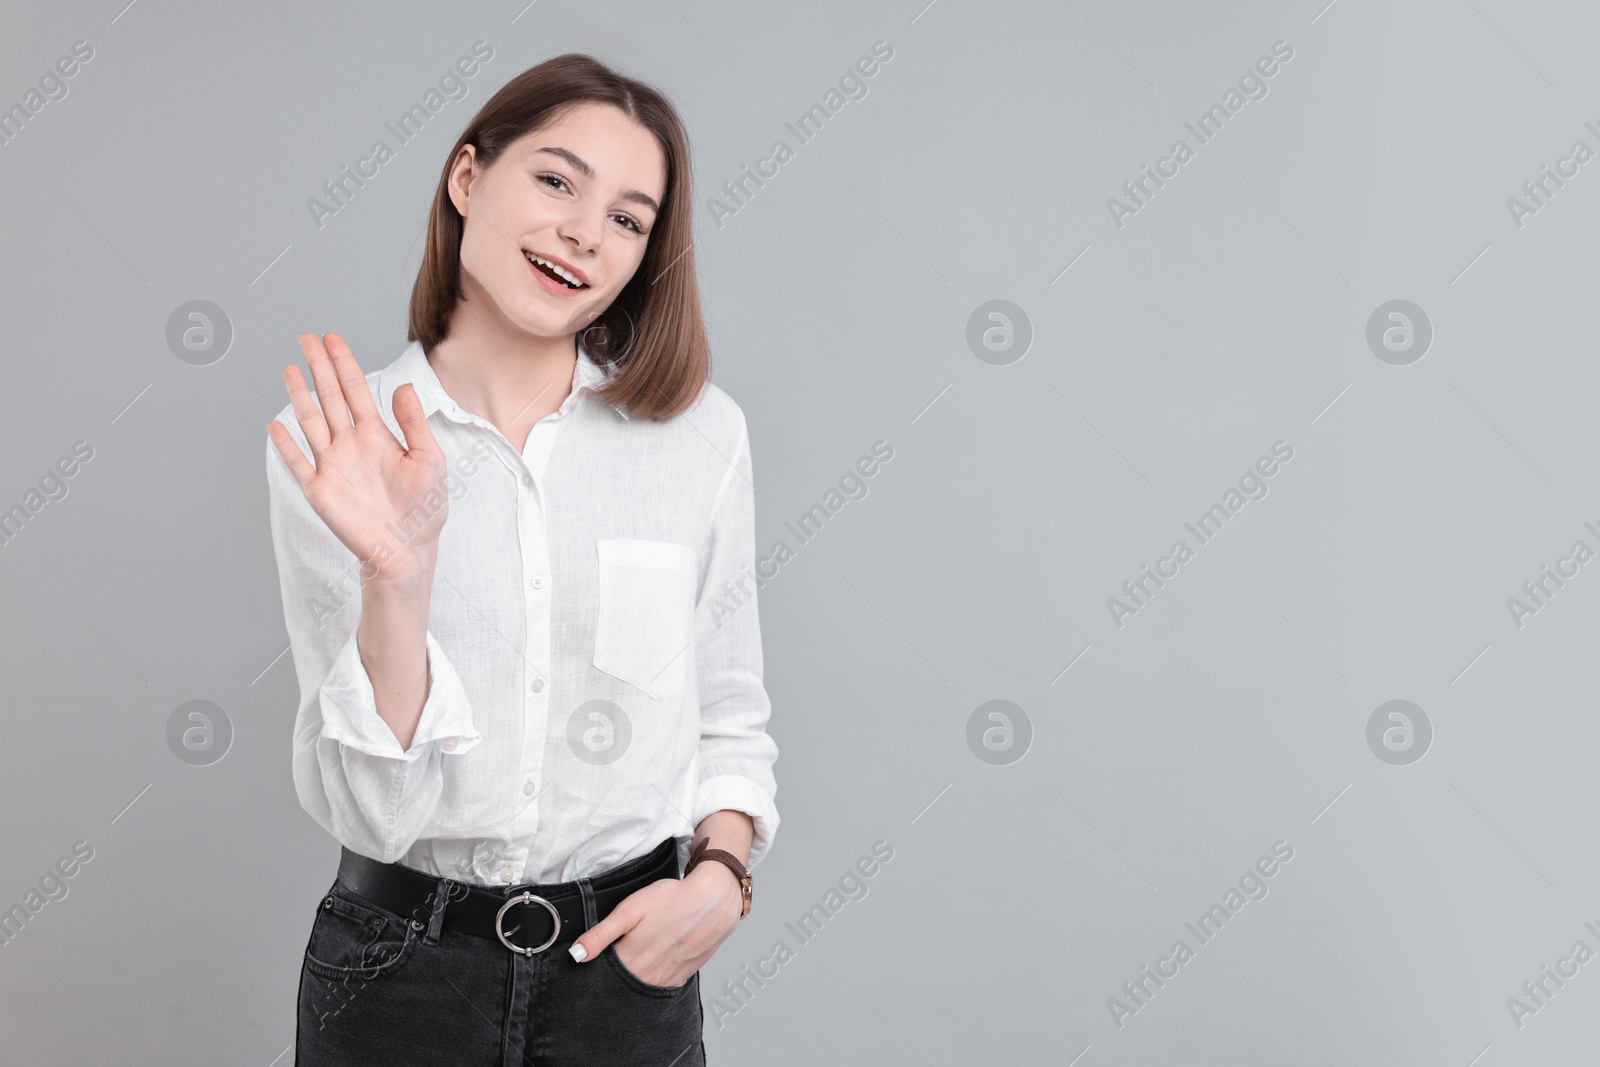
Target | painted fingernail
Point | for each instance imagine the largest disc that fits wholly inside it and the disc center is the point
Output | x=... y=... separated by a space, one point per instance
x=578 y=952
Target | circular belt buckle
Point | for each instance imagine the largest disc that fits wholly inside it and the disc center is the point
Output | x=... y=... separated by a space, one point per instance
x=526 y=897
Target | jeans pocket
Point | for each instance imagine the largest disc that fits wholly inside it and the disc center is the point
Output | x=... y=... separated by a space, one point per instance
x=644 y=622
x=352 y=937
x=637 y=984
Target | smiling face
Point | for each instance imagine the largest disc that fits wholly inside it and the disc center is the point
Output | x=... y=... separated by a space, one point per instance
x=582 y=194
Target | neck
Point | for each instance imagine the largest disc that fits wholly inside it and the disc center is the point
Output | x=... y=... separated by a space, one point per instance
x=507 y=376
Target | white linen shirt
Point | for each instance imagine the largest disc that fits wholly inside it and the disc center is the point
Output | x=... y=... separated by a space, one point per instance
x=594 y=652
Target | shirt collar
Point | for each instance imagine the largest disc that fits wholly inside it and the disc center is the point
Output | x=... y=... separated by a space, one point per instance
x=413 y=367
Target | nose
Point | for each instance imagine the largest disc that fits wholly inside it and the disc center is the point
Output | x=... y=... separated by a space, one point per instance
x=581 y=232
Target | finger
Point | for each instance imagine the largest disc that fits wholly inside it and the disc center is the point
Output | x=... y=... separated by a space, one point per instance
x=299 y=466
x=597 y=937
x=327 y=379
x=306 y=412
x=352 y=382
x=413 y=423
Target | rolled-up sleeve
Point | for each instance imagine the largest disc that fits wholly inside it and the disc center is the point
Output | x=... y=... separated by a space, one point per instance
x=350 y=708
x=736 y=754
x=350 y=773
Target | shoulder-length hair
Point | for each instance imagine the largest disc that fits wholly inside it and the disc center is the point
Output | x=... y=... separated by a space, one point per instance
x=652 y=338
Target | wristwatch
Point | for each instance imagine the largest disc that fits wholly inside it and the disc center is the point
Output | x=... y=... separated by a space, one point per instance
x=740 y=871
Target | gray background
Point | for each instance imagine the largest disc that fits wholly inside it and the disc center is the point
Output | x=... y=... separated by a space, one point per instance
x=1228 y=314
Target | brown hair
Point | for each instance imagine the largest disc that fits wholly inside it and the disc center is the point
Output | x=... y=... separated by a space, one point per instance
x=652 y=336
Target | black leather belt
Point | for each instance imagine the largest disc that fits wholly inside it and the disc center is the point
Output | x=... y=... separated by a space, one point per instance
x=538 y=915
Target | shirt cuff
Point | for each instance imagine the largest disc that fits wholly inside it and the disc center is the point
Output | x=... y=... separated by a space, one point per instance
x=739 y=793
x=350 y=708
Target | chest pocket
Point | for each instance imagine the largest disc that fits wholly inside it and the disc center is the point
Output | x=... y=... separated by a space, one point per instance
x=645 y=622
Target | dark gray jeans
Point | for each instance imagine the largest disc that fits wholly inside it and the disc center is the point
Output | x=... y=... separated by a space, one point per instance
x=377 y=987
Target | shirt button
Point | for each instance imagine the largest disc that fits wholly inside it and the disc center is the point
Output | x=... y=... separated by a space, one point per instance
x=527 y=479
x=536 y=581
x=537 y=685
x=450 y=744
x=505 y=874
x=527 y=788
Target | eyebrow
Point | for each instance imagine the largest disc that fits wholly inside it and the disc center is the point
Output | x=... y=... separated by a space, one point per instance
x=579 y=164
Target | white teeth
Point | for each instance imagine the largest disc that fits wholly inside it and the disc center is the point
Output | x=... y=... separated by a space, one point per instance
x=566 y=275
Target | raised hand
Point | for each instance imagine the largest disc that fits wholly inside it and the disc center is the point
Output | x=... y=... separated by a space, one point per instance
x=385 y=502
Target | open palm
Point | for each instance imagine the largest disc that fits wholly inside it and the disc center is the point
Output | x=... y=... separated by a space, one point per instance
x=385 y=502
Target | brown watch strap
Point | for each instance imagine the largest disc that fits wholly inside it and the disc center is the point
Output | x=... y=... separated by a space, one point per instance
x=702 y=851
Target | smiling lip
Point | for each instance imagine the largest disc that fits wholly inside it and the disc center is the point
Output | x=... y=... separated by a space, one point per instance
x=563 y=264
x=550 y=284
